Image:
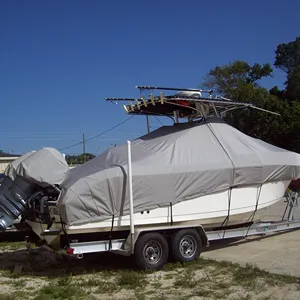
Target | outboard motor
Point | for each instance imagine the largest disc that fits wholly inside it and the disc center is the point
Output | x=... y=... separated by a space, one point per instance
x=13 y=199
x=12 y=195
x=26 y=181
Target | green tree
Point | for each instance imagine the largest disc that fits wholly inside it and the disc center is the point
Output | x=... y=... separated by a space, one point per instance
x=293 y=85
x=287 y=58
x=78 y=159
x=226 y=79
x=240 y=82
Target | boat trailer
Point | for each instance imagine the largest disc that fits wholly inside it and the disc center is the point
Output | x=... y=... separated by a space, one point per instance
x=126 y=246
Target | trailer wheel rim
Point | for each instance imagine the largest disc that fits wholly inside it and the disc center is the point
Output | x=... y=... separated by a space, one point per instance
x=188 y=246
x=152 y=252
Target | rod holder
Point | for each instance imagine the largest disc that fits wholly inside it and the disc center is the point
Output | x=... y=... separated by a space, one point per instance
x=152 y=99
x=161 y=95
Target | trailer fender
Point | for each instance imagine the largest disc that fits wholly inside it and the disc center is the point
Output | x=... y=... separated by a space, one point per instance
x=203 y=235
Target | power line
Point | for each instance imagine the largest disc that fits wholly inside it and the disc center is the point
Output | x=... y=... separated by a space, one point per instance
x=99 y=134
x=159 y=120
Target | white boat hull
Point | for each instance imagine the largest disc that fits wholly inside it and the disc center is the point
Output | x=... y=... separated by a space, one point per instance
x=209 y=211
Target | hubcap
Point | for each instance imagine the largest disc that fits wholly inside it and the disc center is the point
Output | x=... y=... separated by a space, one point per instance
x=152 y=252
x=187 y=246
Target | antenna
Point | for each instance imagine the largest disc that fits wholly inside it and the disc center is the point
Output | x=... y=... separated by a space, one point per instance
x=143 y=87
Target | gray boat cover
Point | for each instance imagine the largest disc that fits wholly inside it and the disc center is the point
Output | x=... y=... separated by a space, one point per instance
x=11 y=169
x=26 y=175
x=10 y=173
x=45 y=167
x=169 y=165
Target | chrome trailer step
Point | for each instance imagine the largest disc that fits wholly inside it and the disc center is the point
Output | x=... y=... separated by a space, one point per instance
x=51 y=232
x=96 y=246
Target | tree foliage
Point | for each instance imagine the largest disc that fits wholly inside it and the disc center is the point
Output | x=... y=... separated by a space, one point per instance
x=293 y=85
x=288 y=59
x=240 y=82
x=78 y=159
x=227 y=78
x=288 y=56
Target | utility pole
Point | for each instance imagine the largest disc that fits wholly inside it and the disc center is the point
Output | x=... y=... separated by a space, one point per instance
x=83 y=145
x=148 y=124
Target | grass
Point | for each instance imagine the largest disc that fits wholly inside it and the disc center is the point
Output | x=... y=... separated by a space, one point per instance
x=106 y=287
x=13 y=296
x=17 y=284
x=101 y=286
x=14 y=245
x=245 y=297
x=186 y=280
x=139 y=296
x=250 y=275
x=157 y=285
x=269 y=297
x=64 y=288
x=131 y=279
x=204 y=278
x=10 y=274
x=211 y=287
x=91 y=282
x=168 y=276
x=52 y=292
x=203 y=292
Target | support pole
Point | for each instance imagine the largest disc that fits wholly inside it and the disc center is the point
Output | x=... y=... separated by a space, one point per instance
x=129 y=177
x=83 y=145
x=148 y=124
x=176 y=116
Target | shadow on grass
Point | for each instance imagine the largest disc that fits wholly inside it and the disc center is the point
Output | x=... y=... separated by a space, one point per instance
x=42 y=262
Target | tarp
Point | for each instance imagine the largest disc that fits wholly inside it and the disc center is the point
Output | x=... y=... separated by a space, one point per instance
x=10 y=173
x=10 y=205
x=45 y=167
x=11 y=169
x=25 y=176
x=169 y=165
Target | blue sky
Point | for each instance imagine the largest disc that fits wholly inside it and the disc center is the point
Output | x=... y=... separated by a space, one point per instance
x=60 y=59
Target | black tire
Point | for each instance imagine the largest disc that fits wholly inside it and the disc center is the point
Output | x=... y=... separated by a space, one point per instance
x=186 y=245
x=151 y=251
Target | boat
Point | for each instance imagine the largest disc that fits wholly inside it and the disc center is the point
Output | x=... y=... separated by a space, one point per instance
x=202 y=171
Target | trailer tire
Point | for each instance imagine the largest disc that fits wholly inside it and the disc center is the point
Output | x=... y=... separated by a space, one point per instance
x=151 y=251
x=186 y=245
